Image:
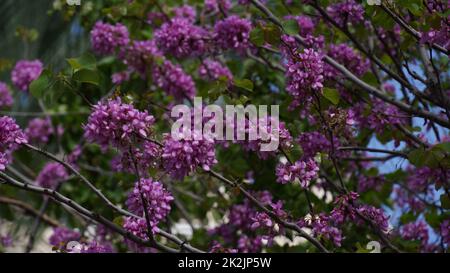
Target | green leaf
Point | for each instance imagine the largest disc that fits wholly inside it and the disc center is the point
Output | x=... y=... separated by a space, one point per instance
x=431 y=158
x=445 y=201
x=85 y=61
x=408 y=218
x=87 y=76
x=118 y=221
x=257 y=36
x=332 y=95
x=417 y=157
x=445 y=146
x=397 y=176
x=217 y=90
x=41 y=84
x=244 y=84
x=291 y=27
x=272 y=34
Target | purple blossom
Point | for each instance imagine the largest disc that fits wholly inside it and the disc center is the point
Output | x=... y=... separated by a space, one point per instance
x=62 y=235
x=216 y=5
x=211 y=70
x=4 y=161
x=6 y=100
x=266 y=132
x=174 y=81
x=120 y=77
x=138 y=227
x=138 y=55
x=106 y=38
x=51 y=175
x=181 y=38
x=437 y=36
x=39 y=130
x=262 y=221
x=115 y=123
x=218 y=248
x=347 y=11
x=74 y=155
x=322 y=225
x=405 y=199
x=6 y=241
x=244 y=221
x=11 y=136
x=376 y=215
x=445 y=231
x=233 y=33
x=301 y=171
x=25 y=72
x=380 y=117
x=186 y=11
x=347 y=57
x=346 y=209
x=315 y=142
x=305 y=24
x=248 y=244
x=97 y=247
x=370 y=183
x=304 y=75
x=415 y=231
x=181 y=157
x=155 y=18
x=144 y=157
x=157 y=200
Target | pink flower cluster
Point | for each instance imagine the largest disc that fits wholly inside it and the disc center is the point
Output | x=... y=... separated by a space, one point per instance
x=233 y=33
x=304 y=73
x=315 y=142
x=156 y=197
x=51 y=175
x=120 y=77
x=347 y=11
x=346 y=208
x=305 y=24
x=347 y=57
x=370 y=183
x=181 y=38
x=248 y=227
x=301 y=171
x=323 y=225
x=211 y=70
x=39 y=130
x=174 y=81
x=96 y=247
x=119 y=124
x=181 y=157
x=267 y=133
x=138 y=55
x=439 y=36
x=416 y=231
x=106 y=38
x=11 y=136
x=6 y=100
x=185 y=11
x=24 y=72
x=141 y=157
x=62 y=235
x=216 y=5
x=382 y=116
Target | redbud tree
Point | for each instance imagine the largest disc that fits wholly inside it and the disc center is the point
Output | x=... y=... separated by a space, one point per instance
x=363 y=155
